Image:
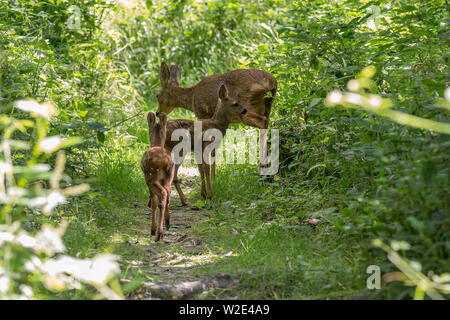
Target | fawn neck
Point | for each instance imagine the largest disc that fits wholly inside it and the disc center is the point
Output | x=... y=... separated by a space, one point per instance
x=221 y=119
x=157 y=135
x=158 y=141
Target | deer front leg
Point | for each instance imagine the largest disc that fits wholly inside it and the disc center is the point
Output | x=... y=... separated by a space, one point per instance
x=202 y=178
x=206 y=169
x=256 y=120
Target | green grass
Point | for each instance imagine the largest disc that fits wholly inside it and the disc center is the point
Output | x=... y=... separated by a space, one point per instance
x=274 y=255
x=256 y=230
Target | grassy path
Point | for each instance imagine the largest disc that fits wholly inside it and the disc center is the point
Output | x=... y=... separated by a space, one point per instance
x=229 y=248
x=170 y=265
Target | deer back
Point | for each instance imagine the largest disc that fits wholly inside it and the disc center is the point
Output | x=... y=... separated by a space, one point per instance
x=247 y=86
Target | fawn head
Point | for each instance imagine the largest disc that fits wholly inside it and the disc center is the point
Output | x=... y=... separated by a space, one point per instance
x=228 y=107
x=157 y=131
x=167 y=101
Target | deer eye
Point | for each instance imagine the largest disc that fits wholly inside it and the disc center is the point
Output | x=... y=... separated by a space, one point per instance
x=236 y=105
x=157 y=95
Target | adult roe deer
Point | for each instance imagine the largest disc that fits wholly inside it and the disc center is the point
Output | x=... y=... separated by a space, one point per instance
x=158 y=169
x=227 y=109
x=248 y=86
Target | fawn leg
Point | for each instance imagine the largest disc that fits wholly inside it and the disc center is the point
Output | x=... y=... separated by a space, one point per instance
x=176 y=182
x=167 y=186
x=162 y=208
x=166 y=212
x=207 y=169
x=202 y=177
x=154 y=203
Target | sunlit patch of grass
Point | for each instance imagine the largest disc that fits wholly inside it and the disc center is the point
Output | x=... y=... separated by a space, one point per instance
x=186 y=260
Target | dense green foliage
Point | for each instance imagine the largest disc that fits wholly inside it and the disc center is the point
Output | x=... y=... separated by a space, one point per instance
x=362 y=175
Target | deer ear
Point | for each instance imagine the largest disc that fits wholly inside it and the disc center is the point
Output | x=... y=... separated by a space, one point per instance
x=223 y=92
x=164 y=74
x=175 y=73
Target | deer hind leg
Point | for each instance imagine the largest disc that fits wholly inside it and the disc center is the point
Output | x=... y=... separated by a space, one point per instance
x=202 y=178
x=176 y=182
x=206 y=170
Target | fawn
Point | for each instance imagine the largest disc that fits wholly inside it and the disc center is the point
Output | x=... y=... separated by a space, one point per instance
x=158 y=169
x=228 y=108
x=248 y=86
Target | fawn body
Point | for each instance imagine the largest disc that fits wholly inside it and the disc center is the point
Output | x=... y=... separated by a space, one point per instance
x=158 y=169
x=227 y=110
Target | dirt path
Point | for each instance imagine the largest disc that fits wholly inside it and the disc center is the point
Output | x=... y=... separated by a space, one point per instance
x=172 y=262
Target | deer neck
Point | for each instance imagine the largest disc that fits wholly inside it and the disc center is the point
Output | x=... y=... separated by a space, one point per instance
x=183 y=97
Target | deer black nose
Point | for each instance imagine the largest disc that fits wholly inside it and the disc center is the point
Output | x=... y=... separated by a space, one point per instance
x=244 y=111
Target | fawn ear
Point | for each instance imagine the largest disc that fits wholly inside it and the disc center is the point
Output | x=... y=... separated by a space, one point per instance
x=175 y=73
x=151 y=119
x=162 y=118
x=223 y=92
x=164 y=75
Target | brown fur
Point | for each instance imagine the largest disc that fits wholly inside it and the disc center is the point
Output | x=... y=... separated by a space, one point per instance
x=248 y=86
x=158 y=169
x=227 y=109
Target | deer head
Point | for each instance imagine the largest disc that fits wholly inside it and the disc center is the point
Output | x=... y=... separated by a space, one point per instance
x=157 y=132
x=170 y=81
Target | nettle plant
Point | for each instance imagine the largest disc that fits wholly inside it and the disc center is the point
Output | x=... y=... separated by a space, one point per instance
x=359 y=96
x=34 y=265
